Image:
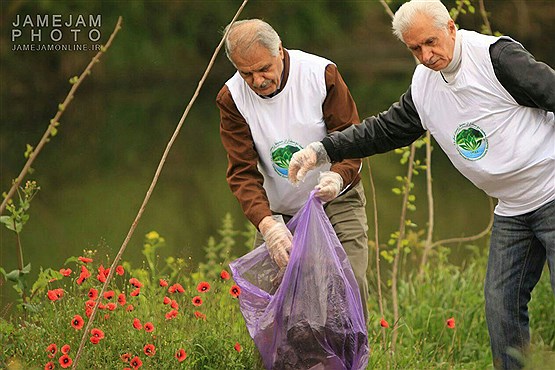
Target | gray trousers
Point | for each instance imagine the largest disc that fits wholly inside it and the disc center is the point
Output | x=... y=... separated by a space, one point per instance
x=347 y=215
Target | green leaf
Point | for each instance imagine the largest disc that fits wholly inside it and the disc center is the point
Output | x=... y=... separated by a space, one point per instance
x=13 y=276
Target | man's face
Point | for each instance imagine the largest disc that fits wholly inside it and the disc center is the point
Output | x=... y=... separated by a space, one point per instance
x=259 y=68
x=432 y=46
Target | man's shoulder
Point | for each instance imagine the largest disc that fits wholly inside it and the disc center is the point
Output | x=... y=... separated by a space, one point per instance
x=303 y=56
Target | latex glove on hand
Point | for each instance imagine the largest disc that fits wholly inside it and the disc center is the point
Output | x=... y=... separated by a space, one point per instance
x=278 y=239
x=306 y=159
x=329 y=185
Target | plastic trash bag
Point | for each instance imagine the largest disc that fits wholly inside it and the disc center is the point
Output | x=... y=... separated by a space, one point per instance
x=309 y=315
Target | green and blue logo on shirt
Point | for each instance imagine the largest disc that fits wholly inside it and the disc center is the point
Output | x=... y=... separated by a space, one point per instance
x=471 y=141
x=281 y=152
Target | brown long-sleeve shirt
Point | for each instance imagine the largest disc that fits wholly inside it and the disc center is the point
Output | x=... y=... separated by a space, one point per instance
x=243 y=177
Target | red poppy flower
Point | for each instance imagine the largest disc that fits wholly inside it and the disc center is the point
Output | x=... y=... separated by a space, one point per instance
x=65 y=361
x=111 y=306
x=52 y=349
x=200 y=315
x=85 y=274
x=88 y=312
x=149 y=350
x=85 y=259
x=176 y=288
x=224 y=275
x=101 y=278
x=49 y=366
x=181 y=355
x=450 y=323
x=65 y=349
x=130 y=308
x=97 y=333
x=126 y=357
x=149 y=327
x=135 y=292
x=237 y=347
x=197 y=301
x=121 y=299
x=65 y=272
x=167 y=300
x=137 y=324
x=203 y=286
x=103 y=271
x=135 y=282
x=119 y=270
x=235 y=291
x=163 y=283
x=136 y=362
x=90 y=303
x=109 y=294
x=170 y=315
x=77 y=322
x=383 y=323
x=174 y=304
x=93 y=294
x=55 y=294
x=95 y=340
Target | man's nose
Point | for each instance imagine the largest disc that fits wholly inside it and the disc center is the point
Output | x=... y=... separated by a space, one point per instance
x=257 y=79
x=427 y=54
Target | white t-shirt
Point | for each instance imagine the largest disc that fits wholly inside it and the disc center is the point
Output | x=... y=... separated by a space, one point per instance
x=284 y=124
x=505 y=149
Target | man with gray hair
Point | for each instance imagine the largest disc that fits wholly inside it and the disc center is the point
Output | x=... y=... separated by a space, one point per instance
x=489 y=105
x=276 y=103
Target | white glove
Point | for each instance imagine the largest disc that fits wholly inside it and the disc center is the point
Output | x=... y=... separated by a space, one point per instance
x=304 y=160
x=329 y=185
x=278 y=239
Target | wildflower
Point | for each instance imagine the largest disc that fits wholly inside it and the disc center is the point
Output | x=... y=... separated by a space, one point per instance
x=130 y=308
x=137 y=324
x=197 y=301
x=126 y=357
x=95 y=340
x=119 y=270
x=77 y=322
x=106 y=316
x=121 y=299
x=101 y=278
x=55 y=294
x=85 y=274
x=65 y=349
x=163 y=283
x=135 y=292
x=170 y=315
x=88 y=312
x=49 y=366
x=65 y=361
x=109 y=294
x=93 y=294
x=149 y=350
x=383 y=323
x=176 y=288
x=174 y=304
x=167 y=300
x=85 y=259
x=181 y=355
x=224 y=275
x=52 y=349
x=235 y=291
x=200 y=315
x=111 y=306
x=450 y=323
x=203 y=287
x=149 y=327
x=97 y=333
x=136 y=362
x=237 y=347
x=65 y=272
x=135 y=283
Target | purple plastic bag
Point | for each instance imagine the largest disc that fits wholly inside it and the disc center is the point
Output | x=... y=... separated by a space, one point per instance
x=310 y=315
